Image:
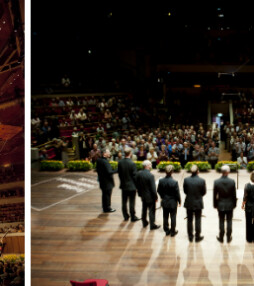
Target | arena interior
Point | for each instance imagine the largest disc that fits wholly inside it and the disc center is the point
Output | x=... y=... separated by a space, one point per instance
x=12 y=224
x=172 y=81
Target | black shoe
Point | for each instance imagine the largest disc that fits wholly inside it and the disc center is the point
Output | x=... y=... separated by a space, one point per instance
x=145 y=224
x=191 y=239
x=109 y=211
x=168 y=232
x=155 y=227
x=126 y=218
x=174 y=233
x=219 y=239
x=135 y=219
x=229 y=239
x=199 y=238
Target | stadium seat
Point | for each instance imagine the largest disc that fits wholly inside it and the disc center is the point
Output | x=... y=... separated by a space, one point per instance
x=90 y=282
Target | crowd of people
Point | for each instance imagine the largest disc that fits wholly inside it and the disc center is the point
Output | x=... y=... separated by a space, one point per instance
x=239 y=141
x=12 y=273
x=143 y=183
x=58 y=114
x=13 y=228
x=177 y=143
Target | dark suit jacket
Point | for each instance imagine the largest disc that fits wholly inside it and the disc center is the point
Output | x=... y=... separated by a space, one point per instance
x=195 y=188
x=249 y=198
x=127 y=173
x=105 y=174
x=146 y=186
x=168 y=190
x=224 y=194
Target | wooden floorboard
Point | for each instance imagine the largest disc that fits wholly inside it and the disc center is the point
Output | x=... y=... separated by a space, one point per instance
x=75 y=240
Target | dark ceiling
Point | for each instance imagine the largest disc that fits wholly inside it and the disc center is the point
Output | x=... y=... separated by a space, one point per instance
x=82 y=36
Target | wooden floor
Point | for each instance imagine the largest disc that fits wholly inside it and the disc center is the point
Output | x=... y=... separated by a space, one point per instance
x=73 y=239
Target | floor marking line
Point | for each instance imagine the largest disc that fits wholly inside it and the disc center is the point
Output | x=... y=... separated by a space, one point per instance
x=48 y=180
x=59 y=202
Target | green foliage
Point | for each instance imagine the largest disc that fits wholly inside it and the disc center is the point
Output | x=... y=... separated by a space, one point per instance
x=203 y=166
x=139 y=165
x=51 y=165
x=13 y=258
x=114 y=164
x=250 y=166
x=162 y=165
x=79 y=165
x=234 y=166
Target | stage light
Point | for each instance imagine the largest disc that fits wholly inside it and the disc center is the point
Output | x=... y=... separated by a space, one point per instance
x=169 y=14
x=4 y=22
x=219 y=114
x=89 y=51
x=218 y=9
x=221 y=15
x=208 y=28
x=197 y=85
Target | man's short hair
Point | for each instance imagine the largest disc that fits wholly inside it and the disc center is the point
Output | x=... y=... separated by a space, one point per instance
x=252 y=176
x=169 y=169
x=225 y=169
x=146 y=163
x=194 y=169
x=127 y=151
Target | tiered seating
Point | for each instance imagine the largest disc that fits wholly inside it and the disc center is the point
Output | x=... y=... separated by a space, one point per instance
x=10 y=193
x=12 y=212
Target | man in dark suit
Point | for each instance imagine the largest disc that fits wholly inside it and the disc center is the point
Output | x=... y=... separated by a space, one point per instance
x=224 y=200
x=147 y=191
x=127 y=172
x=106 y=180
x=168 y=190
x=195 y=188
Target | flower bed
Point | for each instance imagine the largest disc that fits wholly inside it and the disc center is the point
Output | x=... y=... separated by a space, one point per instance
x=139 y=165
x=250 y=166
x=79 y=165
x=203 y=166
x=234 y=166
x=51 y=165
x=13 y=258
x=162 y=165
x=114 y=164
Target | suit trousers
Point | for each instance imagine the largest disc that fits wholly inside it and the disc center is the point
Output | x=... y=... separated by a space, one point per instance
x=228 y=215
x=172 y=213
x=131 y=195
x=249 y=227
x=197 y=214
x=106 y=199
x=151 y=207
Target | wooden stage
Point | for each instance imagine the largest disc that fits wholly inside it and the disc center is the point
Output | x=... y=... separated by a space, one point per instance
x=73 y=239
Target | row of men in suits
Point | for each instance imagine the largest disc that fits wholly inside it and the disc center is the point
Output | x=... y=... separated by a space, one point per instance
x=131 y=181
